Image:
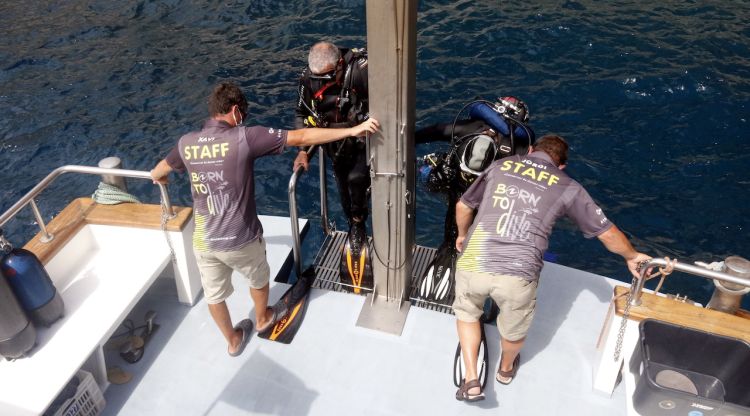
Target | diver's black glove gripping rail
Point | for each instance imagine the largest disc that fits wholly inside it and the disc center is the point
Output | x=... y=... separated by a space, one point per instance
x=28 y=199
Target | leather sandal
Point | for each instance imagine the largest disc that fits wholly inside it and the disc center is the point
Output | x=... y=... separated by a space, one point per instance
x=508 y=374
x=463 y=392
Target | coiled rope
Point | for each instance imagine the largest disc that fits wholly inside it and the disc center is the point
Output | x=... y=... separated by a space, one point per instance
x=107 y=194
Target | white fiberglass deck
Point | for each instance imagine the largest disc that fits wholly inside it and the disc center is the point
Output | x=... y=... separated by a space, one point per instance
x=98 y=292
x=333 y=367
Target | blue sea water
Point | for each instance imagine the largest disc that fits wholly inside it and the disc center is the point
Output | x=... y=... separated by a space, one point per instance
x=653 y=98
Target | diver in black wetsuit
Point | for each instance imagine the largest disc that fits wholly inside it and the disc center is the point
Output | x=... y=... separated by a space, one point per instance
x=492 y=131
x=333 y=93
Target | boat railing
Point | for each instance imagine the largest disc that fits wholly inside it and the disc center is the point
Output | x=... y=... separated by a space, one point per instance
x=293 y=204
x=28 y=199
x=682 y=267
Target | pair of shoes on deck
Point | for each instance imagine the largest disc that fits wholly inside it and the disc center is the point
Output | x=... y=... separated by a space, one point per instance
x=463 y=392
x=505 y=377
x=246 y=326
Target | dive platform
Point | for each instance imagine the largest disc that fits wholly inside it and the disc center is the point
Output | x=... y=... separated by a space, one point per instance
x=327 y=271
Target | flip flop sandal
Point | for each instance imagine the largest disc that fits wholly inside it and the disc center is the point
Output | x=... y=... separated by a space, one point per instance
x=117 y=375
x=463 y=392
x=508 y=374
x=246 y=326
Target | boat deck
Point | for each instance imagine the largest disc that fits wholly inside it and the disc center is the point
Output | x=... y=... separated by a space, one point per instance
x=335 y=367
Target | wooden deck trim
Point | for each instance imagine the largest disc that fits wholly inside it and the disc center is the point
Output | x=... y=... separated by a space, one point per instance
x=684 y=314
x=83 y=211
x=136 y=215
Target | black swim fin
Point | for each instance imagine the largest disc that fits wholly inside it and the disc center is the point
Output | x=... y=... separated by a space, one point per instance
x=355 y=269
x=290 y=309
x=482 y=362
x=438 y=282
x=491 y=311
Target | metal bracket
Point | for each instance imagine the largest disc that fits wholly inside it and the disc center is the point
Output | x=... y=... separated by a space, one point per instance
x=373 y=173
x=383 y=315
x=398 y=175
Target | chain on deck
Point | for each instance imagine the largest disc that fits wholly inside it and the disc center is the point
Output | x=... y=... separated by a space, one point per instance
x=327 y=271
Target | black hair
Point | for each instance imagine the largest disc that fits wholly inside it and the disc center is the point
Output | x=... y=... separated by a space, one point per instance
x=223 y=97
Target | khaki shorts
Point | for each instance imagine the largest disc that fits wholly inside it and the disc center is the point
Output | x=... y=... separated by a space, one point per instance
x=216 y=269
x=515 y=296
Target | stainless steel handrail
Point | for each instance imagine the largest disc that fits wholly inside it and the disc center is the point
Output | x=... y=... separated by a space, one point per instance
x=29 y=197
x=686 y=268
x=323 y=191
x=296 y=245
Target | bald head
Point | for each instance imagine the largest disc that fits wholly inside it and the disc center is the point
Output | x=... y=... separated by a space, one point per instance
x=323 y=57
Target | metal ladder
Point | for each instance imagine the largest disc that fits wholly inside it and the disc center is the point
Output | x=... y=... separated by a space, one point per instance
x=328 y=258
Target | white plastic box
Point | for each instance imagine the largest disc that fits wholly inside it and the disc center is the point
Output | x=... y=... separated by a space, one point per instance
x=88 y=400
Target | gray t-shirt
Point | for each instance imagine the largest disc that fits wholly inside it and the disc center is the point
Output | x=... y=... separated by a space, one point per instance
x=220 y=161
x=519 y=198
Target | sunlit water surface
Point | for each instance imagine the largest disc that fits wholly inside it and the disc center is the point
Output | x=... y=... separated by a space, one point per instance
x=652 y=96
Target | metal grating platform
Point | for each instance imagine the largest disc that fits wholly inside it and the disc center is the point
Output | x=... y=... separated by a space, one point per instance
x=327 y=271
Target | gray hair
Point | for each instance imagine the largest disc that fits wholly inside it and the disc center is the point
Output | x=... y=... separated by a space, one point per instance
x=323 y=57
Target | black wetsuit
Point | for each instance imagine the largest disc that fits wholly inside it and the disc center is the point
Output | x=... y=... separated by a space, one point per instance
x=341 y=103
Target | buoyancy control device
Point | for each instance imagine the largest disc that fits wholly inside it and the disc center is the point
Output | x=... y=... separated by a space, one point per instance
x=31 y=284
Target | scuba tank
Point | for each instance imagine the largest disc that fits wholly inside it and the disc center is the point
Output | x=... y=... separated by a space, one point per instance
x=31 y=284
x=17 y=334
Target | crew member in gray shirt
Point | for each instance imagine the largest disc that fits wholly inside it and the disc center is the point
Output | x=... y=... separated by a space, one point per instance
x=228 y=236
x=517 y=201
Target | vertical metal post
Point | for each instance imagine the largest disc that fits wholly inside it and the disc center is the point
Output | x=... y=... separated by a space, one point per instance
x=727 y=297
x=165 y=200
x=46 y=236
x=113 y=162
x=391 y=50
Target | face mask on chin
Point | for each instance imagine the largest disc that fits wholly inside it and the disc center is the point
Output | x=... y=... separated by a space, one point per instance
x=236 y=124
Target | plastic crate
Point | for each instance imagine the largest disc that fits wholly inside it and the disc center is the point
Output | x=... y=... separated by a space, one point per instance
x=88 y=400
